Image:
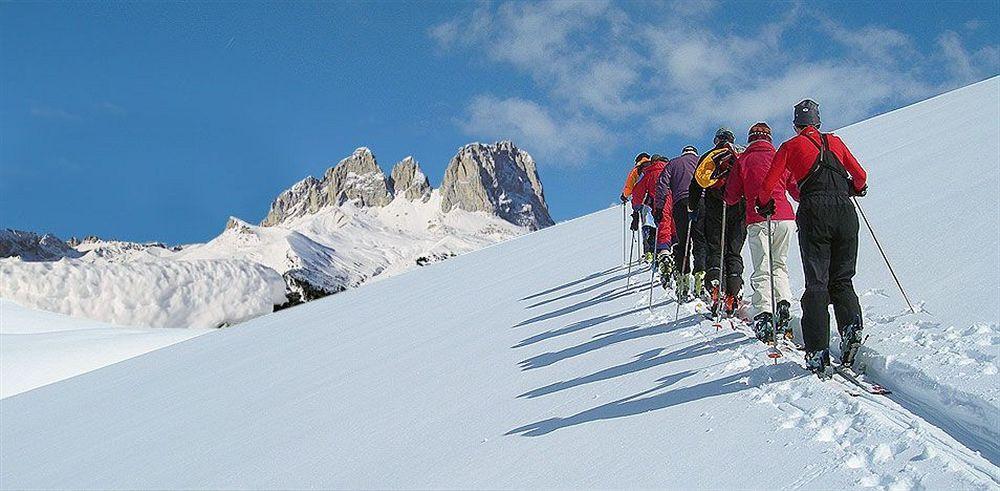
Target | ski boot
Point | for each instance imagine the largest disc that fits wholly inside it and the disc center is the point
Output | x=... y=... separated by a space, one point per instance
x=666 y=263
x=817 y=362
x=763 y=328
x=731 y=304
x=784 y=319
x=683 y=282
x=699 y=285
x=715 y=296
x=850 y=341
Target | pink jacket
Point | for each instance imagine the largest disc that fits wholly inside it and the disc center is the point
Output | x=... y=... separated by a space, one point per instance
x=746 y=179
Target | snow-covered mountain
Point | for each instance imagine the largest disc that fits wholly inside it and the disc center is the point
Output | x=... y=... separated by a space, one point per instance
x=321 y=236
x=355 y=224
x=535 y=364
x=30 y=246
x=95 y=249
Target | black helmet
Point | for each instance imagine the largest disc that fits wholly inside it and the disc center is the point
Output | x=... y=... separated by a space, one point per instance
x=806 y=113
x=724 y=134
x=641 y=156
x=690 y=148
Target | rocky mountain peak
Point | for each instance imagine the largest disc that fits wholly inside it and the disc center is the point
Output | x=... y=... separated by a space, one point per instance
x=409 y=181
x=499 y=179
x=357 y=177
x=305 y=196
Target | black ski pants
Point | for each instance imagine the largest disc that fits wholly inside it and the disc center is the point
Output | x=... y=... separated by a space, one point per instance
x=680 y=214
x=699 y=249
x=828 y=241
x=736 y=235
x=648 y=239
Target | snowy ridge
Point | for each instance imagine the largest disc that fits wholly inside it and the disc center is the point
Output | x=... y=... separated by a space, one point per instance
x=341 y=247
x=95 y=249
x=30 y=246
x=150 y=293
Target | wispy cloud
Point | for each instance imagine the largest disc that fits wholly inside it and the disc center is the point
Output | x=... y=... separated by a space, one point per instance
x=550 y=138
x=599 y=69
x=110 y=108
x=46 y=112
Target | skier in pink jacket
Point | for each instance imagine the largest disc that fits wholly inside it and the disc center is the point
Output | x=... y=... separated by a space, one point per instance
x=744 y=183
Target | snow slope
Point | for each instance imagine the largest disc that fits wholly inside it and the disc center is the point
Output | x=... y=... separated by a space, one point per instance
x=38 y=347
x=147 y=292
x=525 y=364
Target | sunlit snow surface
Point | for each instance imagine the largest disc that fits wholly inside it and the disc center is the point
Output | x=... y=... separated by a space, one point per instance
x=533 y=364
x=38 y=348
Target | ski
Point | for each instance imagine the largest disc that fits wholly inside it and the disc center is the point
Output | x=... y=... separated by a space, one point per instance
x=843 y=375
x=850 y=376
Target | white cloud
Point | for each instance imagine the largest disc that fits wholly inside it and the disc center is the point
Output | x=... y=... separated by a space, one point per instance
x=964 y=65
x=558 y=141
x=599 y=70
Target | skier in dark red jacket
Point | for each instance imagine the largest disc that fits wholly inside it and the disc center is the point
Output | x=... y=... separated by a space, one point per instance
x=828 y=176
x=644 y=194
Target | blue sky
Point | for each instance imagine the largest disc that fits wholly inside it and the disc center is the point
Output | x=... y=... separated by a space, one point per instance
x=156 y=121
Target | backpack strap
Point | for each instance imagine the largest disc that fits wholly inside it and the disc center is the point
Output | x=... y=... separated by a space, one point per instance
x=822 y=160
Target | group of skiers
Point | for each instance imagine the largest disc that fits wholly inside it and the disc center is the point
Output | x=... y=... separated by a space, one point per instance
x=696 y=212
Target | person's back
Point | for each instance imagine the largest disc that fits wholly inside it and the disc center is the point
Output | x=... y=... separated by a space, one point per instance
x=676 y=178
x=748 y=177
x=827 y=176
x=797 y=156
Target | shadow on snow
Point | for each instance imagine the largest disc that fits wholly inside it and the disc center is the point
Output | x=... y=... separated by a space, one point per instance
x=645 y=401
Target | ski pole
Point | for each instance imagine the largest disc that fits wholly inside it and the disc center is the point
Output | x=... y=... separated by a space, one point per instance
x=654 y=263
x=687 y=250
x=624 y=232
x=631 y=248
x=722 y=264
x=770 y=273
x=884 y=257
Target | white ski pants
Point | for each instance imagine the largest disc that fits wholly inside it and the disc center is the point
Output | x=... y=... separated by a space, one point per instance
x=781 y=232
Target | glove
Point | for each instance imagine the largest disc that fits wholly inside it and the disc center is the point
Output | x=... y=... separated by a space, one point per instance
x=658 y=215
x=623 y=198
x=692 y=215
x=767 y=209
x=635 y=221
x=863 y=192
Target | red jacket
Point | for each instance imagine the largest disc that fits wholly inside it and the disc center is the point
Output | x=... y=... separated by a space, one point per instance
x=644 y=192
x=797 y=156
x=646 y=187
x=746 y=178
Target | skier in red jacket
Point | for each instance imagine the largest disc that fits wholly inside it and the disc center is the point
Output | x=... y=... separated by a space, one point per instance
x=827 y=176
x=644 y=194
